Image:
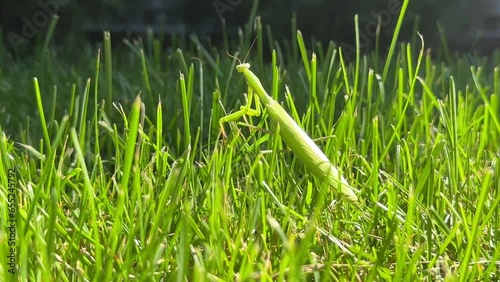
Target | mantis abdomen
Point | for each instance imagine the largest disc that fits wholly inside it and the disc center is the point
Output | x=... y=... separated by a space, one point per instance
x=307 y=151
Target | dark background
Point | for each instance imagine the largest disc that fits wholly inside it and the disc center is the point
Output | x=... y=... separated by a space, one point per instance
x=323 y=20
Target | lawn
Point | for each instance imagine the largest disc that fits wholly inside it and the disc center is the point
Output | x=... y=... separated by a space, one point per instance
x=113 y=166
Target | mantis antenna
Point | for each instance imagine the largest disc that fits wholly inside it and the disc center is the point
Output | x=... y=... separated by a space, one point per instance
x=248 y=52
x=234 y=57
x=251 y=46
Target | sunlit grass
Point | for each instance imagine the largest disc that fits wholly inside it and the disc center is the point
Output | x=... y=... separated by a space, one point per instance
x=146 y=189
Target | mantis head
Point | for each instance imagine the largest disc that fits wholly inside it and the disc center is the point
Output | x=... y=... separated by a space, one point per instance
x=242 y=67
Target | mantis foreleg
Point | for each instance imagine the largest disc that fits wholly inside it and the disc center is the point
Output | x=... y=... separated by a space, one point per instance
x=244 y=110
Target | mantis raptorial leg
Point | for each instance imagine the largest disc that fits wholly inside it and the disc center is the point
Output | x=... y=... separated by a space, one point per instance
x=244 y=110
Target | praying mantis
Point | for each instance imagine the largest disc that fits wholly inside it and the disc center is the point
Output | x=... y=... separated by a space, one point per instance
x=294 y=136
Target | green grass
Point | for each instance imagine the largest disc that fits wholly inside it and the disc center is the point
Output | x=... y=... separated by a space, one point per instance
x=146 y=189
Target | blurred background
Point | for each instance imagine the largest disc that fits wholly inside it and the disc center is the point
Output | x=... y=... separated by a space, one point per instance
x=466 y=24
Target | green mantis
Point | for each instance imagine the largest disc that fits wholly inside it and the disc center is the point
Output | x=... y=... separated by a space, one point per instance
x=294 y=136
